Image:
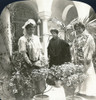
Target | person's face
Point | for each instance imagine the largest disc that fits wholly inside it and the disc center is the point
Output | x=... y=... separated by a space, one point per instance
x=54 y=34
x=30 y=30
x=78 y=29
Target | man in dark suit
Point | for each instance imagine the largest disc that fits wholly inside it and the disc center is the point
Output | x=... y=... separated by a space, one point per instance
x=58 y=50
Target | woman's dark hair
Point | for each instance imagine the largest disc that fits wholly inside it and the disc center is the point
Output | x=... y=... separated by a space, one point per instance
x=79 y=25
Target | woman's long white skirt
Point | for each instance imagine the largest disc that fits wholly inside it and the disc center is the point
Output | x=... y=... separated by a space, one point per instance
x=88 y=87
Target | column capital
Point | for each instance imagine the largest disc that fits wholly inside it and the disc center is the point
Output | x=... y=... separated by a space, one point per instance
x=44 y=15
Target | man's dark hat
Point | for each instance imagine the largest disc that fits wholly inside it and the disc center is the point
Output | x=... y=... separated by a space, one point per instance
x=54 y=30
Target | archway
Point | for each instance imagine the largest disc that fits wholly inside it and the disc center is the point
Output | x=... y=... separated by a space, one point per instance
x=21 y=12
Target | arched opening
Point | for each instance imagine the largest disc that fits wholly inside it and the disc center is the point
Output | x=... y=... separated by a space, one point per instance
x=20 y=13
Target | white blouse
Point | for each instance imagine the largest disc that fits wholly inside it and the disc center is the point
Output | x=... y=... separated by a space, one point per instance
x=30 y=45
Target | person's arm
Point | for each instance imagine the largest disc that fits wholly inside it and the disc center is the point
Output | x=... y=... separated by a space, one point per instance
x=26 y=58
x=22 y=49
x=91 y=50
x=67 y=53
x=72 y=52
x=48 y=50
x=40 y=49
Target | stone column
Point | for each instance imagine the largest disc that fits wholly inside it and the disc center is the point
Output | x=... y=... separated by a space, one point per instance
x=45 y=35
x=38 y=27
x=5 y=18
x=7 y=38
x=44 y=12
x=5 y=53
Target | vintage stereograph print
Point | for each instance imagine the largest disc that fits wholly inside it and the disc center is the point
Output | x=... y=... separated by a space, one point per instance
x=47 y=50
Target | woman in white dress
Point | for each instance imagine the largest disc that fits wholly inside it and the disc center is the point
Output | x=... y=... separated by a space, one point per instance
x=82 y=50
x=31 y=50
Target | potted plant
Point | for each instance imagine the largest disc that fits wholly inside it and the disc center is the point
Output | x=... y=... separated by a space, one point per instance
x=69 y=74
x=74 y=76
x=21 y=83
x=40 y=75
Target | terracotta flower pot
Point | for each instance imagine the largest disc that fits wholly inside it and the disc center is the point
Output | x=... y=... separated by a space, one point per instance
x=41 y=97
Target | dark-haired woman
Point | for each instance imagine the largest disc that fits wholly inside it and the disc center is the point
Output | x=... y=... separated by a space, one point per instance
x=82 y=51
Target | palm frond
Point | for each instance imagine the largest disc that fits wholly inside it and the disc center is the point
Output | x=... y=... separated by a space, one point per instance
x=57 y=22
x=91 y=27
x=85 y=21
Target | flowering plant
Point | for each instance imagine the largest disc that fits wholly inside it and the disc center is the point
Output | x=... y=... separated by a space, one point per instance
x=76 y=77
x=70 y=74
x=38 y=74
x=21 y=82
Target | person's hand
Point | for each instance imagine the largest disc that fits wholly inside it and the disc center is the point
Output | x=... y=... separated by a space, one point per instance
x=88 y=60
x=30 y=63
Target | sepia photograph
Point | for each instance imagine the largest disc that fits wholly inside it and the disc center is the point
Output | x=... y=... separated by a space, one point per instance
x=47 y=50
